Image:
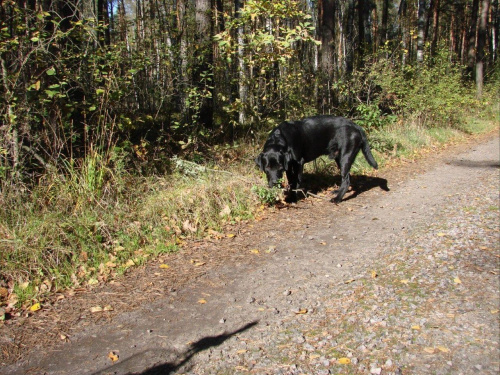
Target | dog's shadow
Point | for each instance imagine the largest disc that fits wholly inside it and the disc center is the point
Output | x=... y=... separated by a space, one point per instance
x=318 y=182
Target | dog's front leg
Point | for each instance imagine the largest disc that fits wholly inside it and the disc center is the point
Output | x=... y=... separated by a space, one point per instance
x=292 y=177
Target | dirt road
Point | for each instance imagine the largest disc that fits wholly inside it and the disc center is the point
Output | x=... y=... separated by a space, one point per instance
x=403 y=281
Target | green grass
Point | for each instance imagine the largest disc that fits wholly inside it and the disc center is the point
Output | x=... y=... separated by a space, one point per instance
x=91 y=223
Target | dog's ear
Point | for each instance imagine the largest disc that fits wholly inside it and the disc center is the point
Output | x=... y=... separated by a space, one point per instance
x=288 y=159
x=258 y=161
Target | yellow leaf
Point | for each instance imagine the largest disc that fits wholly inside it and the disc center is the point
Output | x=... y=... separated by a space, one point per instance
x=344 y=361
x=456 y=280
x=254 y=251
x=108 y=308
x=113 y=356
x=242 y=351
x=35 y=307
x=494 y=311
x=130 y=263
x=443 y=349
x=374 y=274
x=416 y=327
x=202 y=301
x=164 y=266
x=197 y=263
x=441 y=234
x=96 y=309
x=230 y=235
x=404 y=281
x=301 y=311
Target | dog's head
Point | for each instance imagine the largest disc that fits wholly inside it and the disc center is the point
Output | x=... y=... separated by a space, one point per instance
x=273 y=162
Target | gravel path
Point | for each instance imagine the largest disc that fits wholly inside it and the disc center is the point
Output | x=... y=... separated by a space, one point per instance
x=397 y=282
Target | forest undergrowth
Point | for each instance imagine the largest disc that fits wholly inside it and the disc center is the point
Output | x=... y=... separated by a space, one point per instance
x=94 y=220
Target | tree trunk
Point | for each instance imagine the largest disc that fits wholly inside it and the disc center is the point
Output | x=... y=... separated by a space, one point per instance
x=204 y=31
x=481 y=41
x=385 y=20
x=242 y=74
x=494 y=31
x=435 y=25
x=326 y=17
x=420 y=31
x=471 y=53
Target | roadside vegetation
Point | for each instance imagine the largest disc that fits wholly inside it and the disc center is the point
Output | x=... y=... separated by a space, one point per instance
x=106 y=163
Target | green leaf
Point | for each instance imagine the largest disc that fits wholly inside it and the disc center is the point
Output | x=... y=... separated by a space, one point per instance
x=99 y=91
x=51 y=72
x=50 y=93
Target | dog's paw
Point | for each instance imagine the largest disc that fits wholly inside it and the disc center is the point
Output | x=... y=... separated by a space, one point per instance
x=335 y=200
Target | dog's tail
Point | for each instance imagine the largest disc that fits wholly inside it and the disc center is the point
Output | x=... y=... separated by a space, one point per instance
x=365 y=147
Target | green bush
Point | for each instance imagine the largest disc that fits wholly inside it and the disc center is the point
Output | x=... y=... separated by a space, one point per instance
x=431 y=94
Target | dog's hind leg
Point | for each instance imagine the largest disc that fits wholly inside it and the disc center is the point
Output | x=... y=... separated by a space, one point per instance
x=345 y=167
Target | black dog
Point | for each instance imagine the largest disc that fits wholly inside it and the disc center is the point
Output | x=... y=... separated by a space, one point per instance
x=294 y=143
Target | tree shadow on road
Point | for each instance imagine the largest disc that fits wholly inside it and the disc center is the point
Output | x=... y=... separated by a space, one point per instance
x=476 y=164
x=182 y=359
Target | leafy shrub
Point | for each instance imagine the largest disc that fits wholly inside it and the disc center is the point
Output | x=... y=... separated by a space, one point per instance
x=268 y=196
x=431 y=93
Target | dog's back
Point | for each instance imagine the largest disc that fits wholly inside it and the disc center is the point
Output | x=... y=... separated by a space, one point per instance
x=314 y=136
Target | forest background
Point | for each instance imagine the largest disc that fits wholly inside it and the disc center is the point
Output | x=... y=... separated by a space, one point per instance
x=128 y=126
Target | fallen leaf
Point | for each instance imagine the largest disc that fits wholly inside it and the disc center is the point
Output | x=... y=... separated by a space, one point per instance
x=96 y=309
x=416 y=327
x=404 y=281
x=456 y=280
x=443 y=349
x=225 y=211
x=242 y=351
x=255 y=251
x=130 y=263
x=113 y=355
x=187 y=226
x=271 y=249
x=35 y=307
x=429 y=350
x=349 y=281
x=197 y=263
x=84 y=256
x=344 y=361
x=441 y=234
x=374 y=274
x=314 y=356
x=301 y=311
x=164 y=266
x=202 y=301
x=494 y=311
x=108 y=308
x=230 y=235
